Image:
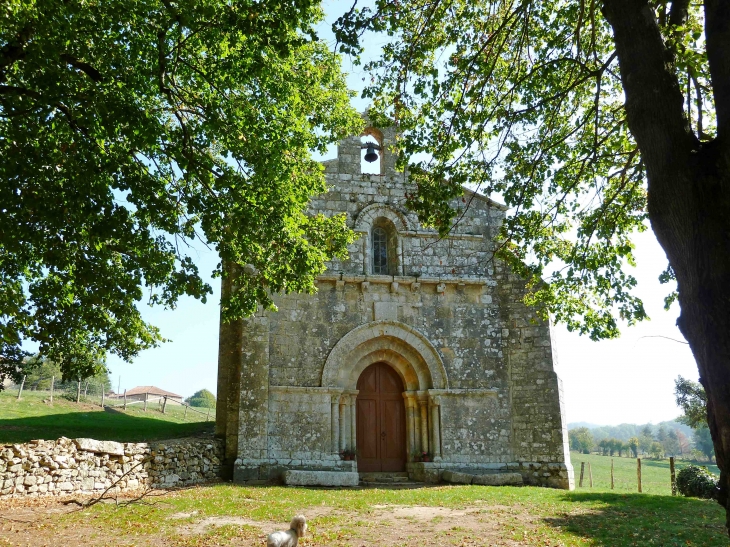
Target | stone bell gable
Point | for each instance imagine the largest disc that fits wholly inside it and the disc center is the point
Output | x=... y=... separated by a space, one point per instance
x=413 y=345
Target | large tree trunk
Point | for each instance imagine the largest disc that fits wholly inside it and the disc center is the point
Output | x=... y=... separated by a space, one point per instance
x=689 y=192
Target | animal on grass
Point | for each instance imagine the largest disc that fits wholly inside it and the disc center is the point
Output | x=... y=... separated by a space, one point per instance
x=290 y=537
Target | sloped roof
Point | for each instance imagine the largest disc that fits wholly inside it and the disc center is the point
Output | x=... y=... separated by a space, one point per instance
x=152 y=390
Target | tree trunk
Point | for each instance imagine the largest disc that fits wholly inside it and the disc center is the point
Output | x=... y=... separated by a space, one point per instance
x=688 y=192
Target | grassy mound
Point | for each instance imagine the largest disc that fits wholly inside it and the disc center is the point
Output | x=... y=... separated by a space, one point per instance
x=33 y=417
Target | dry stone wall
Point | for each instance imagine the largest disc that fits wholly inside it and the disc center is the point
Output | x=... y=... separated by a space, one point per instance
x=87 y=466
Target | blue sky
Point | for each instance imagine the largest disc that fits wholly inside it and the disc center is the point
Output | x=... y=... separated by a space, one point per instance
x=625 y=380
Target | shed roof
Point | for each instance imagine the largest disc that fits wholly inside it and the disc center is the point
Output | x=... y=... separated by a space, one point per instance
x=152 y=390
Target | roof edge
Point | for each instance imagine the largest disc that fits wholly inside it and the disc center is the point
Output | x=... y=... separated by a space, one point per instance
x=482 y=197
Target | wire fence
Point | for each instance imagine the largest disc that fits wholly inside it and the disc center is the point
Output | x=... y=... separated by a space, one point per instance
x=161 y=403
x=96 y=393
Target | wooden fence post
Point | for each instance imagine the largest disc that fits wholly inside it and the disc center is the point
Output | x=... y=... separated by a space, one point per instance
x=611 y=473
x=164 y=404
x=22 y=383
x=125 y=399
x=78 y=392
x=582 y=468
x=207 y=418
x=590 y=475
x=185 y=417
x=146 y=396
x=53 y=381
x=674 y=478
x=638 y=472
x=102 y=396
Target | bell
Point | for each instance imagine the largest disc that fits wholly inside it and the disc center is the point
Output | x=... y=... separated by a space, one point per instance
x=370 y=154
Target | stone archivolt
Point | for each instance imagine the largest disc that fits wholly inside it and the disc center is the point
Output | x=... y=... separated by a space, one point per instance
x=371 y=213
x=404 y=348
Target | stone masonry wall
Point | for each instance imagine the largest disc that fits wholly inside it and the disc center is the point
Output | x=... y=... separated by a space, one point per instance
x=502 y=407
x=87 y=466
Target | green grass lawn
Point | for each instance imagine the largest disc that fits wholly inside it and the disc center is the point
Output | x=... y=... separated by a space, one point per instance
x=495 y=516
x=33 y=417
x=655 y=475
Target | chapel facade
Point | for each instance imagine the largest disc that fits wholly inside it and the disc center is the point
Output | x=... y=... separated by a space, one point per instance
x=415 y=348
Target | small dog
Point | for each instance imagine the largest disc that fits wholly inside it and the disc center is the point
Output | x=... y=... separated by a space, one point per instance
x=288 y=538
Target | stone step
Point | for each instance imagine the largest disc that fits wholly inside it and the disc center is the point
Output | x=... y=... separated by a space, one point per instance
x=485 y=479
x=406 y=484
x=383 y=478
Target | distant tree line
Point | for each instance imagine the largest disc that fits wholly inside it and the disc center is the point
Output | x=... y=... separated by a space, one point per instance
x=668 y=439
x=657 y=444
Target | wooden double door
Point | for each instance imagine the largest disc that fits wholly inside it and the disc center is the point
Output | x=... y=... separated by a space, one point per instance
x=381 y=420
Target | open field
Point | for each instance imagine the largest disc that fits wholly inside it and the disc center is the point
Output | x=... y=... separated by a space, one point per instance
x=468 y=516
x=32 y=418
x=655 y=476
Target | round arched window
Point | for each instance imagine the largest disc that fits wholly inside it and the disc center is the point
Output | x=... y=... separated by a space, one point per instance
x=380 y=251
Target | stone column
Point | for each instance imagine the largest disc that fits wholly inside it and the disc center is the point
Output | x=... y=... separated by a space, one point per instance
x=353 y=422
x=424 y=424
x=366 y=253
x=416 y=425
x=435 y=429
x=344 y=422
x=401 y=266
x=410 y=445
x=335 y=424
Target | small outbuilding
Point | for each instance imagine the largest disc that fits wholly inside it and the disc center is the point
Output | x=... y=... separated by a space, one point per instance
x=140 y=393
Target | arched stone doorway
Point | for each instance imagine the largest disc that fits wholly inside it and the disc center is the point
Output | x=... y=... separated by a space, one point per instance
x=414 y=361
x=381 y=420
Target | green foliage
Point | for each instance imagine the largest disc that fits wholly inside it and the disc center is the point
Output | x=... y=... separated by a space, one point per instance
x=130 y=129
x=697 y=482
x=609 y=447
x=692 y=399
x=703 y=441
x=633 y=445
x=41 y=371
x=671 y=443
x=656 y=450
x=202 y=398
x=524 y=101
x=581 y=439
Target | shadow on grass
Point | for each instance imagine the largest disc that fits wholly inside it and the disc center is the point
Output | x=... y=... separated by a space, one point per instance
x=618 y=520
x=106 y=426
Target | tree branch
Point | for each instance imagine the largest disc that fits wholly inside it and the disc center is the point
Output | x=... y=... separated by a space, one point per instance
x=654 y=102
x=717 y=32
x=14 y=51
x=678 y=13
x=86 y=68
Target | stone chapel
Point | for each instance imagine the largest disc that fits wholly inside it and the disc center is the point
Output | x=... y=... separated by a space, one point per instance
x=416 y=354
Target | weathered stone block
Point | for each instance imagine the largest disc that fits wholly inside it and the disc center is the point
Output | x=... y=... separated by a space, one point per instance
x=320 y=478
x=457 y=478
x=100 y=447
x=499 y=479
